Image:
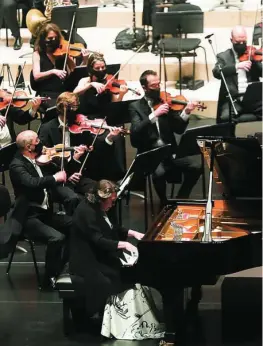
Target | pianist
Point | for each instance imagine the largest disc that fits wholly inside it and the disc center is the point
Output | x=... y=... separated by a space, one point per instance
x=96 y=249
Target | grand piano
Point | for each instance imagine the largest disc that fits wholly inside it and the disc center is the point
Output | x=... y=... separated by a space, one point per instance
x=192 y=243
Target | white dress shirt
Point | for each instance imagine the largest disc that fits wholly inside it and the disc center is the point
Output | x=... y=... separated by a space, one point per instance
x=5 y=137
x=241 y=76
x=44 y=204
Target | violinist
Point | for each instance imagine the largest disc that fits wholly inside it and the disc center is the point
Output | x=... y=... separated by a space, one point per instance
x=153 y=126
x=18 y=116
x=48 y=75
x=94 y=96
x=239 y=69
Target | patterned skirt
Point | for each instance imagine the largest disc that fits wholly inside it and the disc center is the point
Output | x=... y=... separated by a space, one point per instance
x=132 y=315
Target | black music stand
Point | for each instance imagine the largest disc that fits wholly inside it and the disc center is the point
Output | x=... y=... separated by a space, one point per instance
x=143 y=166
x=252 y=96
x=86 y=17
x=7 y=154
x=176 y=24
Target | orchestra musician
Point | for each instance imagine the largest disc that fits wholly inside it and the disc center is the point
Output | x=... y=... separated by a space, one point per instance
x=153 y=128
x=94 y=103
x=18 y=116
x=48 y=74
x=96 y=249
x=9 y=15
x=41 y=223
x=237 y=74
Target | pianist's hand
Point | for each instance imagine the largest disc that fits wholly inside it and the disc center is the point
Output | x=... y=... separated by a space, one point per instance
x=135 y=234
x=128 y=246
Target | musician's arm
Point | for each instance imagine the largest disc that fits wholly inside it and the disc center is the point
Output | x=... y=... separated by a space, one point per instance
x=139 y=127
x=21 y=117
x=71 y=64
x=84 y=84
x=228 y=69
x=36 y=68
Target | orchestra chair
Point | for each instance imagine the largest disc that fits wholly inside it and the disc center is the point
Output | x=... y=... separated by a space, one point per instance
x=226 y=4
x=179 y=24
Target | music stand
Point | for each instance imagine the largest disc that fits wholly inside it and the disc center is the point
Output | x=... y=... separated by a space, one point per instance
x=7 y=154
x=252 y=96
x=143 y=165
x=86 y=17
x=179 y=23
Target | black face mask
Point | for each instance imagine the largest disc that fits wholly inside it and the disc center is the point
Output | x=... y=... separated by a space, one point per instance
x=53 y=44
x=240 y=48
x=153 y=94
x=71 y=116
x=100 y=75
x=38 y=148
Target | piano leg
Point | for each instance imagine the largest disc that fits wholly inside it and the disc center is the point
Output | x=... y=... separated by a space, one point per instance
x=173 y=309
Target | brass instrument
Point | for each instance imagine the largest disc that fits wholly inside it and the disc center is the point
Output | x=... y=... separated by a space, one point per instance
x=35 y=19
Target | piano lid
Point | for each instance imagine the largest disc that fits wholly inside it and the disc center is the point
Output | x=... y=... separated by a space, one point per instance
x=238 y=163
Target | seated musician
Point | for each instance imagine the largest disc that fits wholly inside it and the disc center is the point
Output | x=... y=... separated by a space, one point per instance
x=237 y=74
x=18 y=116
x=95 y=257
x=48 y=73
x=41 y=223
x=101 y=159
x=45 y=7
x=153 y=128
x=9 y=15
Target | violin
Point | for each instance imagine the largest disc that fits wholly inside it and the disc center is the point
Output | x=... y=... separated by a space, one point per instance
x=51 y=155
x=19 y=100
x=74 y=49
x=176 y=103
x=113 y=85
x=82 y=123
x=252 y=53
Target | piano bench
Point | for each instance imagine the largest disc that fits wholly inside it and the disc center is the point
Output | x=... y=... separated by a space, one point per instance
x=74 y=313
x=241 y=297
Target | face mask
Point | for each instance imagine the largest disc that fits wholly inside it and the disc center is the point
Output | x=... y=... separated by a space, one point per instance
x=38 y=148
x=52 y=45
x=153 y=94
x=71 y=116
x=240 y=48
x=100 y=75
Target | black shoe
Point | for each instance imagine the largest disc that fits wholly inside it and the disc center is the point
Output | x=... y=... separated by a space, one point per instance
x=18 y=43
x=32 y=42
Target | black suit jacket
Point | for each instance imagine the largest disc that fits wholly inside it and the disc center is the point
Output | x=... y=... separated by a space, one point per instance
x=144 y=133
x=26 y=181
x=19 y=117
x=228 y=64
x=94 y=255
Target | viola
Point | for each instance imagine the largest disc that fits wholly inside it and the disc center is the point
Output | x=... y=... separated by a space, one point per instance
x=51 y=155
x=74 y=49
x=19 y=100
x=252 y=53
x=176 y=103
x=82 y=123
x=113 y=85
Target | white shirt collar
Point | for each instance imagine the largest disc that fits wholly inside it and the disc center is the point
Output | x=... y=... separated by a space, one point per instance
x=61 y=124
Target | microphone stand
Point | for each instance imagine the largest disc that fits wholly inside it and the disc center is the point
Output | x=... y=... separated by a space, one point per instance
x=225 y=83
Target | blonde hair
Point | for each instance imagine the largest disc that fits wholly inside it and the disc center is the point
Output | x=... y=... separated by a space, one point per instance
x=66 y=99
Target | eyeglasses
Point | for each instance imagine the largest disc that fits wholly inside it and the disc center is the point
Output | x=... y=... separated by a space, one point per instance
x=74 y=107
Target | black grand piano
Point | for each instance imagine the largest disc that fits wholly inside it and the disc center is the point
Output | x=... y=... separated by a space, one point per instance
x=194 y=242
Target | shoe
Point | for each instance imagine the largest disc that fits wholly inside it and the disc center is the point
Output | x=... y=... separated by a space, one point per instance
x=32 y=42
x=18 y=43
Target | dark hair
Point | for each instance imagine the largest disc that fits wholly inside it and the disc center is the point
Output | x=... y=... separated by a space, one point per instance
x=93 y=58
x=144 y=75
x=102 y=190
x=40 y=44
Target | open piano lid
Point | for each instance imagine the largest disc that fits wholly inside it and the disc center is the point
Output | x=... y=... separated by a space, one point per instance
x=239 y=165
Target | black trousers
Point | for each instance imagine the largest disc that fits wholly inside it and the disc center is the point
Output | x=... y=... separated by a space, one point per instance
x=53 y=230
x=168 y=171
x=8 y=13
x=252 y=112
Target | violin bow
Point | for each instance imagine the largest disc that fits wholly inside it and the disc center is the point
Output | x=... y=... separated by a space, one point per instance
x=62 y=168
x=126 y=63
x=92 y=144
x=13 y=93
x=69 y=39
x=164 y=70
x=250 y=50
